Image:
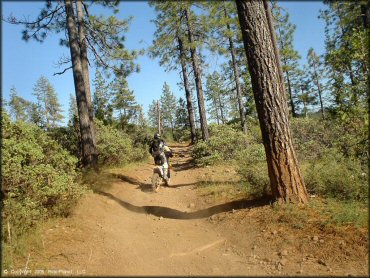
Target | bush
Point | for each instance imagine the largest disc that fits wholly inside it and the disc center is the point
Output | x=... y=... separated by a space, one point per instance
x=116 y=147
x=332 y=153
x=252 y=168
x=38 y=177
x=312 y=137
x=182 y=135
x=223 y=145
x=68 y=137
x=334 y=175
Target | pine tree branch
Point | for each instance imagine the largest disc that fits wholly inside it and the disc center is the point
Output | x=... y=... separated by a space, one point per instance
x=96 y=54
x=13 y=20
x=60 y=73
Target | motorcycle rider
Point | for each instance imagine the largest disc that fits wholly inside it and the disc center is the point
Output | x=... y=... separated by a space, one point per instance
x=161 y=154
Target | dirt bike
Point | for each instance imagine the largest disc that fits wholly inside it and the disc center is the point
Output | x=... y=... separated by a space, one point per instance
x=157 y=178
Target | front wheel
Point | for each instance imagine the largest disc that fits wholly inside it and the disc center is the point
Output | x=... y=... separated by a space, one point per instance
x=156 y=182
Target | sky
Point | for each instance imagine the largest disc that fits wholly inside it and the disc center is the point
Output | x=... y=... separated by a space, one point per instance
x=24 y=62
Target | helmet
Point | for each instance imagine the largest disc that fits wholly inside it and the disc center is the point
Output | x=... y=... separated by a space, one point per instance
x=157 y=136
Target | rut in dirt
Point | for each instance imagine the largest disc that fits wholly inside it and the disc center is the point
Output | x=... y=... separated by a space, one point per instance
x=177 y=214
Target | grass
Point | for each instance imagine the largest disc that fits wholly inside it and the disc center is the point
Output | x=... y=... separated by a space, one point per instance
x=320 y=212
x=14 y=254
x=323 y=212
x=219 y=190
x=342 y=213
x=104 y=179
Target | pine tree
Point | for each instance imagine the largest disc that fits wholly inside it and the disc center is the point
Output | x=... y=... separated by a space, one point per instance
x=18 y=106
x=153 y=116
x=226 y=38
x=194 y=44
x=139 y=118
x=181 y=115
x=123 y=101
x=101 y=35
x=261 y=48
x=72 y=111
x=74 y=127
x=170 y=46
x=215 y=95
x=289 y=56
x=168 y=108
x=34 y=114
x=101 y=98
x=48 y=103
x=306 y=97
x=316 y=73
x=346 y=53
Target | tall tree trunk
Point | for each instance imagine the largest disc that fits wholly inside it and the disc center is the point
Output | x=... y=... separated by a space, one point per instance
x=198 y=80
x=189 y=101
x=285 y=177
x=221 y=109
x=294 y=114
x=89 y=157
x=271 y=28
x=85 y=63
x=172 y=130
x=237 y=79
x=319 y=91
x=159 y=117
x=365 y=9
x=349 y=67
x=304 y=103
x=217 y=108
x=354 y=85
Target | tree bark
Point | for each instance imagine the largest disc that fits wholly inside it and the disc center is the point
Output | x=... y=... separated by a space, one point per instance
x=189 y=101
x=85 y=63
x=237 y=80
x=285 y=177
x=89 y=157
x=198 y=80
x=270 y=23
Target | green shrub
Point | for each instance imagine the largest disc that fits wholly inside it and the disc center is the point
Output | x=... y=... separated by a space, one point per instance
x=252 y=168
x=116 y=147
x=38 y=177
x=344 y=213
x=182 y=135
x=334 y=175
x=223 y=145
x=312 y=137
x=68 y=137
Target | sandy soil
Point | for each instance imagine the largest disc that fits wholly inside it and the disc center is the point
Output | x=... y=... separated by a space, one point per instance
x=126 y=229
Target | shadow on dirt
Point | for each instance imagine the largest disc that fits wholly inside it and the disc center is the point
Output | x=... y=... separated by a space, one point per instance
x=127 y=179
x=179 y=146
x=183 y=166
x=177 y=214
x=145 y=187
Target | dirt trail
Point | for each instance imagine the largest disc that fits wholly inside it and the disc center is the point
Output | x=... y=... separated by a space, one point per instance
x=126 y=229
